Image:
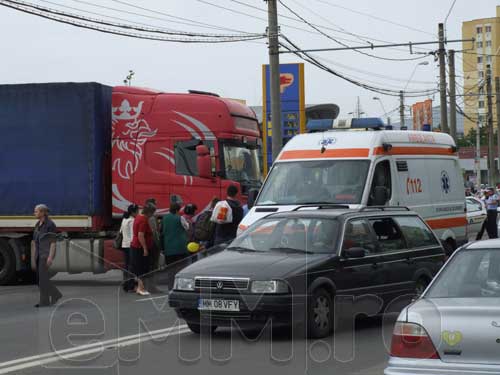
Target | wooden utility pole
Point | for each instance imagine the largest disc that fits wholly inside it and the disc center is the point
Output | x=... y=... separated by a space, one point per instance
x=442 y=81
x=491 y=151
x=497 y=101
x=274 y=70
x=453 y=98
x=402 y=109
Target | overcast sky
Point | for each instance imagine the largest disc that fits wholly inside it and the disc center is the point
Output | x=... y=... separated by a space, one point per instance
x=38 y=50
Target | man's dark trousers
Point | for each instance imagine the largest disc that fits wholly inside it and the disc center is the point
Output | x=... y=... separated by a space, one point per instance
x=491 y=224
x=47 y=288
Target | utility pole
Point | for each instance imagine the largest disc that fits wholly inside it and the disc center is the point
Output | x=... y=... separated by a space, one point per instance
x=453 y=98
x=442 y=81
x=274 y=69
x=477 y=160
x=401 y=109
x=497 y=96
x=491 y=152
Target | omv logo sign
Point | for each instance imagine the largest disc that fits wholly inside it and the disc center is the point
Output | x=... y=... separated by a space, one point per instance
x=286 y=80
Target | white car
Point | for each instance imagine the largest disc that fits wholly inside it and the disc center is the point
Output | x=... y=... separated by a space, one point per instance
x=476 y=214
x=453 y=328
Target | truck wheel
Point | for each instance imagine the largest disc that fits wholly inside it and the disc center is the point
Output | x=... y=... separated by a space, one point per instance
x=7 y=263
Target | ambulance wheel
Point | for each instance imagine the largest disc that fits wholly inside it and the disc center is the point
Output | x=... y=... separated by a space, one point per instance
x=7 y=263
x=449 y=247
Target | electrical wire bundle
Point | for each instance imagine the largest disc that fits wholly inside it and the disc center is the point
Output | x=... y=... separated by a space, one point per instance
x=132 y=29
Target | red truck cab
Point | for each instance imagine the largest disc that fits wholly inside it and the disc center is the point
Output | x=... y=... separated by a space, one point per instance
x=156 y=151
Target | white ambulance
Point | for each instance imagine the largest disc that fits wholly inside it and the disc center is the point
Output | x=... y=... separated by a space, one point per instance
x=360 y=168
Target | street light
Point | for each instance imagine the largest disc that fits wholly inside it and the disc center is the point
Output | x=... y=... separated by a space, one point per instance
x=413 y=73
x=401 y=93
x=383 y=108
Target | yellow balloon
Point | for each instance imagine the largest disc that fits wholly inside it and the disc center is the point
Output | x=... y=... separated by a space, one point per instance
x=193 y=247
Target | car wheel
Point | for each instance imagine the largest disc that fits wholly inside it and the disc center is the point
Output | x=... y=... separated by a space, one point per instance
x=7 y=263
x=448 y=247
x=320 y=314
x=201 y=329
x=420 y=286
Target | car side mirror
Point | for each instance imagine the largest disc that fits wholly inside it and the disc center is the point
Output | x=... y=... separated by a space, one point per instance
x=380 y=196
x=355 y=252
x=252 y=197
x=203 y=161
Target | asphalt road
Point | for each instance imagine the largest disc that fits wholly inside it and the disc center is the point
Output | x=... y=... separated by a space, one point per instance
x=97 y=329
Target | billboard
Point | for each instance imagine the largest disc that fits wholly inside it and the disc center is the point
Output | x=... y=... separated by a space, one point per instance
x=422 y=114
x=293 y=116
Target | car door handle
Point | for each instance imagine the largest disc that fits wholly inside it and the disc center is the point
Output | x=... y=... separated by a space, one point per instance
x=410 y=261
x=375 y=266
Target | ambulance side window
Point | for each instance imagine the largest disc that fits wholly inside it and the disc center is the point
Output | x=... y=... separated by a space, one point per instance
x=381 y=178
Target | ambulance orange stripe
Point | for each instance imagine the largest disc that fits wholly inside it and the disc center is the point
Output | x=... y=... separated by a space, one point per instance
x=414 y=151
x=451 y=222
x=364 y=152
x=335 y=153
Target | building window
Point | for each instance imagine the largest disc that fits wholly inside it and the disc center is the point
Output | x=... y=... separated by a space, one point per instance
x=480 y=118
x=479 y=44
x=481 y=91
x=480 y=104
x=488 y=59
x=488 y=43
x=479 y=30
x=488 y=29
x=480 y=59
x=481 y=74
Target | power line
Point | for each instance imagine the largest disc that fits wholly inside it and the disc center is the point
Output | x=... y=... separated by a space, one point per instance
x=375 y=17
x=99 y=14
x=335 y=28
x=90 y=23
x=307 y=57
x=189 y=21
x=341 y=43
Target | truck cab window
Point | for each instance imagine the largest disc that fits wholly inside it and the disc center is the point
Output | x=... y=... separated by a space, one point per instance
x=381 y=178
x=185 y=156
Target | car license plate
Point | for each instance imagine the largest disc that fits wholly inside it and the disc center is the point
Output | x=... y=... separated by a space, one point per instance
x=218 y=305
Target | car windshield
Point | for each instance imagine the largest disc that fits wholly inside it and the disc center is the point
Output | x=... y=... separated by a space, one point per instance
x=241 y=163
x=304 y=235
x=310 y=182
x=470 y=274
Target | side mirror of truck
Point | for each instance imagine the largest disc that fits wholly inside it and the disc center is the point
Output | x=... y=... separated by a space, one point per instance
x=204 y=161
x=252 y=197
x=381 y=195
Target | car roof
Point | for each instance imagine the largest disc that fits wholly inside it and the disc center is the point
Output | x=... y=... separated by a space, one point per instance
x=486 y=244
x=341 y=213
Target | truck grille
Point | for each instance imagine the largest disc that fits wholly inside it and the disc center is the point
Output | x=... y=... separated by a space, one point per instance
x=221 y=283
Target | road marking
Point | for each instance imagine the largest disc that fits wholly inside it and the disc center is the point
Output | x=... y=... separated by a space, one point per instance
x=78 y=351
x=152 y=298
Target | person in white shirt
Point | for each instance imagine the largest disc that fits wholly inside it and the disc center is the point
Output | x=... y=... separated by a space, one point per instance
x=126 y=230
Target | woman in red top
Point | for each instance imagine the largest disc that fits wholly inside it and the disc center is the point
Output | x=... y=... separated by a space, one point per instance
x=142 y=242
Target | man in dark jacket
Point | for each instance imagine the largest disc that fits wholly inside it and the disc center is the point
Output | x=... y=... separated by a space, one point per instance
x=44 y=248
x=227 y=232
x=152 y=279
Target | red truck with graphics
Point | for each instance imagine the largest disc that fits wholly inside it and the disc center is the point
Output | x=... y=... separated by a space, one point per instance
x=108 y=148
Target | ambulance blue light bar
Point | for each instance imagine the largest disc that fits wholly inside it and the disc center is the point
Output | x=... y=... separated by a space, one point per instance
x=360 y=123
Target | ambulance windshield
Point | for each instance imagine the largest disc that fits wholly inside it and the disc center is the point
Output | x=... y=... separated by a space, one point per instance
x=311 y=182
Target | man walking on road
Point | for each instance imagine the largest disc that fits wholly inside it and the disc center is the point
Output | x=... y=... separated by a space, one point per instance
x=152 y=279
x=44 y=248
x=490 y=224
x=228 y=215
